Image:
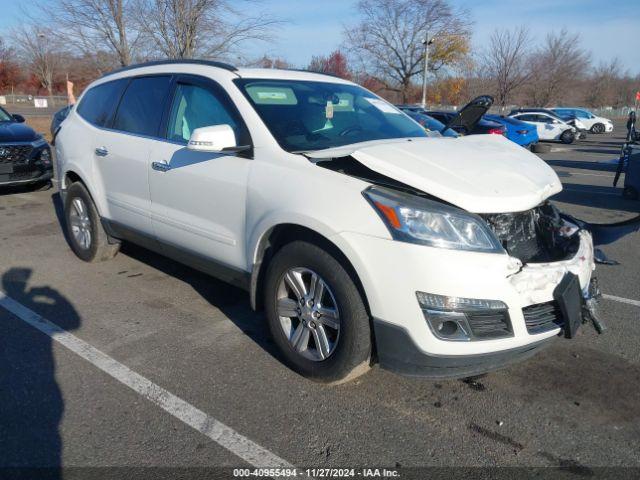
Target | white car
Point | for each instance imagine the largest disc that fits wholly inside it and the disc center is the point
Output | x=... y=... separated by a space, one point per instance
x=361 y=238
x=549 y=127
x=592 y=122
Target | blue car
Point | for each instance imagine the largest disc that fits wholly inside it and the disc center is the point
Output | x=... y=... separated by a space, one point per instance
x=519 y=132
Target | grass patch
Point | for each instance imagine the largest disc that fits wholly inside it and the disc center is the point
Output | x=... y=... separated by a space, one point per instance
x=41 y=124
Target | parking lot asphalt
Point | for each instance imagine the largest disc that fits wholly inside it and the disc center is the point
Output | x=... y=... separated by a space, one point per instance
x=576 y=405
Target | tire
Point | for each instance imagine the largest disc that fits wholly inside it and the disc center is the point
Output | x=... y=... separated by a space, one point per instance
x=540 y=148
x=567 y=137
x=352 y=345
x=630 y=193
x=95 y=247
x=597 y=128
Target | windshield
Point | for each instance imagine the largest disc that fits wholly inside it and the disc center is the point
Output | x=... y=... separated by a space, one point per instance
x=304 y=115
x=4 y=116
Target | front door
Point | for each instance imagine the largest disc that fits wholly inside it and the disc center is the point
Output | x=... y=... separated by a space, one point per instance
x=198 y=199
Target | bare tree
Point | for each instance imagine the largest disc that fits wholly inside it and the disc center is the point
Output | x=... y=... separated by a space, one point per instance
x=603 y=84
x=388 y=40
x=39 y=50
x=556 y=67
x=95 y=25
x=198 y=28
x=505 y=62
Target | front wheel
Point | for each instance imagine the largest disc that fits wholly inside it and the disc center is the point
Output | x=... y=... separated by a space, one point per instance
x=316 y=314
x=597 y=128
x=567 y=137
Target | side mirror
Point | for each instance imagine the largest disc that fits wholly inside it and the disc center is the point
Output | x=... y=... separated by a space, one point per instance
x=18 y=118
x=216 y=138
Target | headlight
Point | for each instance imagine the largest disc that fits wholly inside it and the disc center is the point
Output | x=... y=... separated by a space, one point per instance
x=419 y=220
x=38 y=143
x=45 y=156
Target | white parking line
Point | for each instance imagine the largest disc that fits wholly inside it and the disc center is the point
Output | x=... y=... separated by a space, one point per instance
x=217 y=431
x=621 y=300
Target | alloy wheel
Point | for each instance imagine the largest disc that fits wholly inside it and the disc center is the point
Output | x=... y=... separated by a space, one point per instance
x=80 y=223
x=308 y=313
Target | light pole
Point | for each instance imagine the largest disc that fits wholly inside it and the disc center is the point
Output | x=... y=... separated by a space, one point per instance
x=426 y=42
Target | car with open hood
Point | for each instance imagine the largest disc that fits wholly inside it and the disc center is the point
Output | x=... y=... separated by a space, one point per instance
x=362 y=238
x=591 y=122
x=25 y=156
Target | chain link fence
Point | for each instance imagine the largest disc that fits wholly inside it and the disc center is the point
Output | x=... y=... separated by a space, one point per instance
x=35 y=101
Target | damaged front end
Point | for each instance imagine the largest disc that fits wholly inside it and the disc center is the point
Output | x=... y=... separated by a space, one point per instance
x=549 y=251
x=551 y=254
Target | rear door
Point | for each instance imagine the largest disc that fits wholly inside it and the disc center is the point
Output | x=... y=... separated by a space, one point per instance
x=122 y=151
x=199 y=198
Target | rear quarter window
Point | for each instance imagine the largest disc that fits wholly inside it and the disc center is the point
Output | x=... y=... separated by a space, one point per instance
x=99 y=103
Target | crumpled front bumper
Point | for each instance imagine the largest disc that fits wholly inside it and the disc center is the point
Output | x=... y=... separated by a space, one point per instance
x=392 y=272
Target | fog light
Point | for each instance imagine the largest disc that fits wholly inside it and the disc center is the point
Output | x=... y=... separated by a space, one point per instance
x=447 y=316
x=448 y=328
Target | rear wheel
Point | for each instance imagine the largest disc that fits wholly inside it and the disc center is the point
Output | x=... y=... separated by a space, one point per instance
x=316 y=314
x=85 y=233
x=597 y=128
x=567 y=137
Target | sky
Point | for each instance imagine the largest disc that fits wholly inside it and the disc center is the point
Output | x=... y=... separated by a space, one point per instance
x=314 y=27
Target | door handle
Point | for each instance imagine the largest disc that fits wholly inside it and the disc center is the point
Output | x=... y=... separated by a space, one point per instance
x=161 y=166
x=102 y=151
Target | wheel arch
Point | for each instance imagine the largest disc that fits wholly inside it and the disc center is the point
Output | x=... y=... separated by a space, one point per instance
x=74 y=174
x=280 y=235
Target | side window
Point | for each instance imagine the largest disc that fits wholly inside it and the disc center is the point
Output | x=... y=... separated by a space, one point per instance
x=194 y=107
x=99 y=103
x=140 y=110
x=527 y=118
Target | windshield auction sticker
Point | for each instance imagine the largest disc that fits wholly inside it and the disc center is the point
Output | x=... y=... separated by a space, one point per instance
x=382 y=105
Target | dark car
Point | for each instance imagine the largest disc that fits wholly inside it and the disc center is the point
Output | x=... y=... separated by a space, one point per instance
x=430 y=124
x=57 y=119
x=25 y=157
x=483 y=126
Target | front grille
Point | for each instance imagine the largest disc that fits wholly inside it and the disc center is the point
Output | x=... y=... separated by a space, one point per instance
x=543 y=317
x=494 y=324
x=14 y=153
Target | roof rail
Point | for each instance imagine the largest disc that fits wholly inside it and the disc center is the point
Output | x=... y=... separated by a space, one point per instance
x=193 y=61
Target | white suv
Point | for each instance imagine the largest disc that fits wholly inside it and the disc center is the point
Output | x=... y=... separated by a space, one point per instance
x=362 y=238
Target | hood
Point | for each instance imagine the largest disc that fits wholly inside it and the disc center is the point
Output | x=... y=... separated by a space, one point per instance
x=479 y=173
x=471 y=114
x=16 y=132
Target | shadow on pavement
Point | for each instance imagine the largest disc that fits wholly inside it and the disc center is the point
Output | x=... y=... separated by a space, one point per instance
x=58 y=208
x=36 y=187
x=597 y=166
x=30 y=399
x=230 y=300
x=607 y=198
